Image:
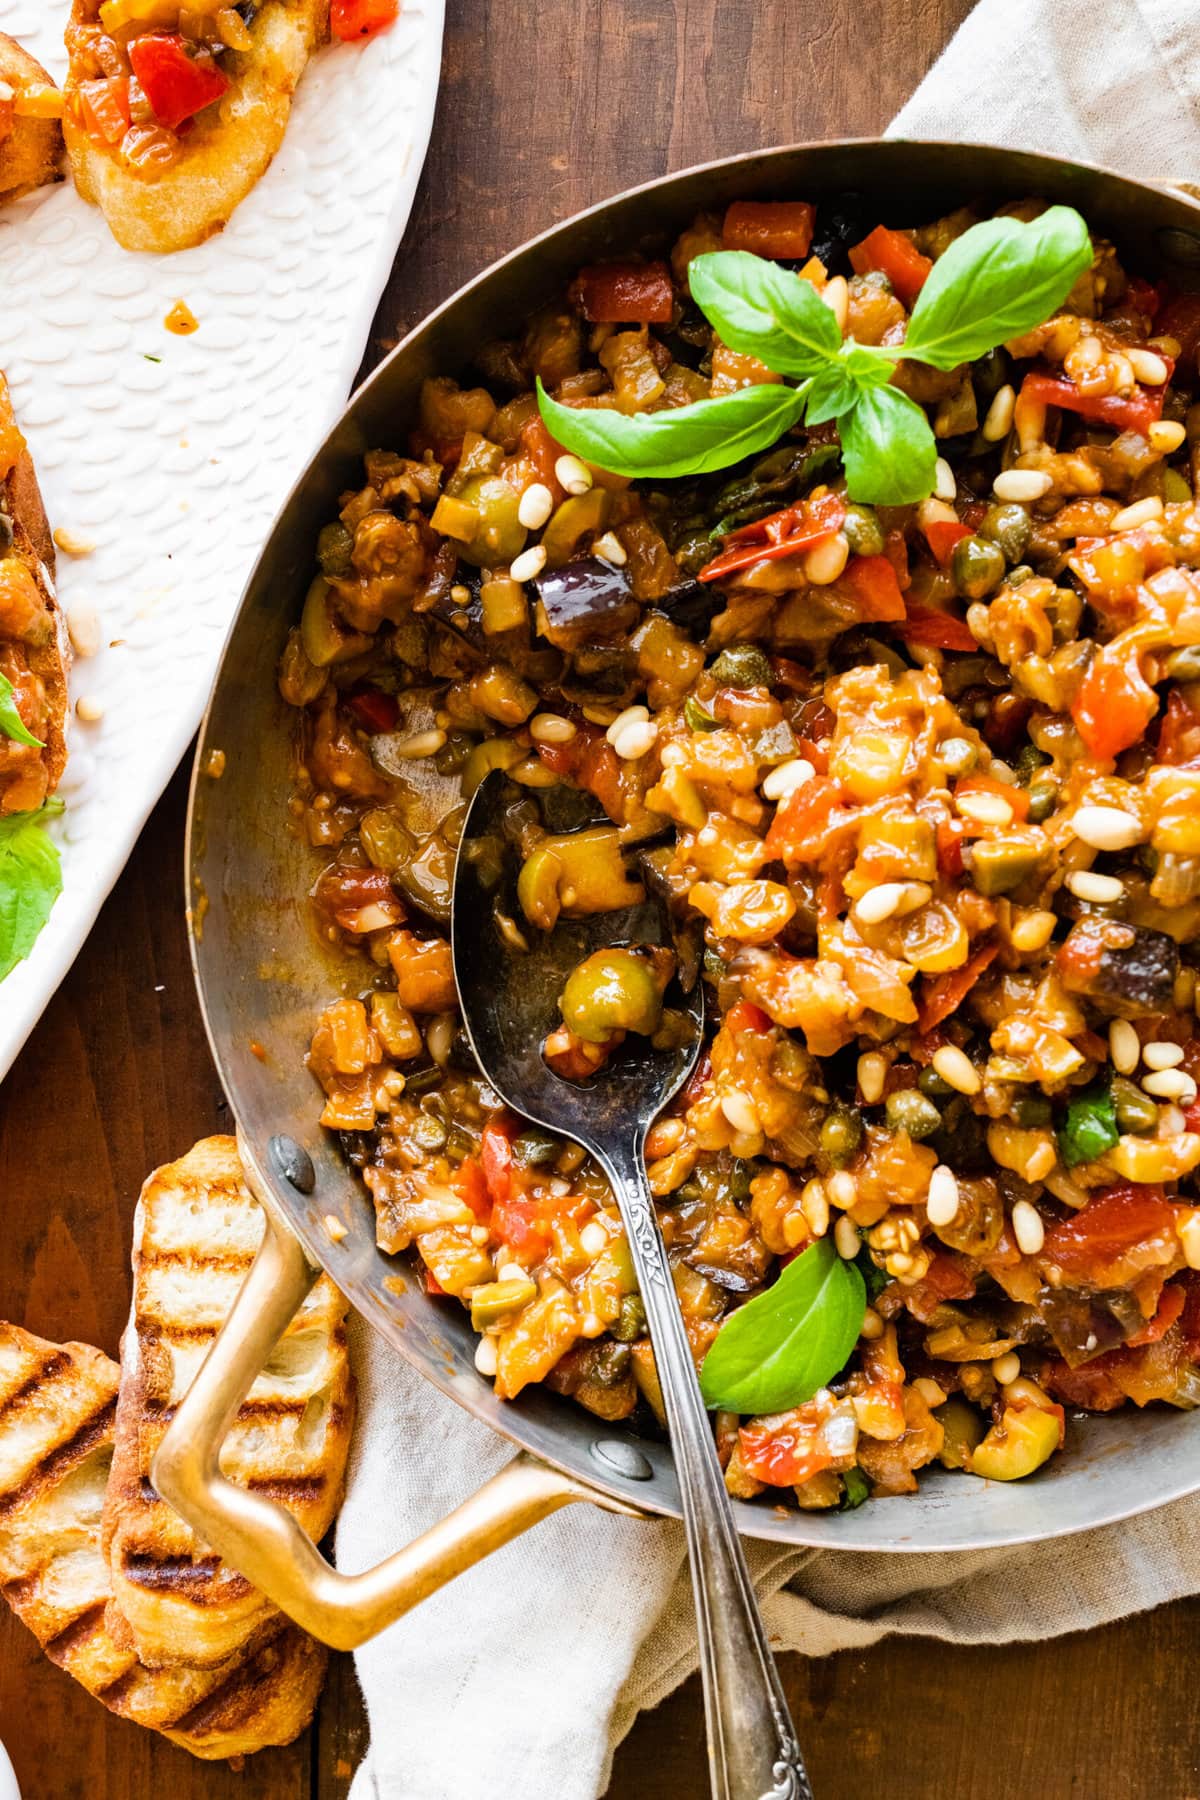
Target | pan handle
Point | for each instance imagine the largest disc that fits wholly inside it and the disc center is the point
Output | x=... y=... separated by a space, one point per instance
x=262 y=1540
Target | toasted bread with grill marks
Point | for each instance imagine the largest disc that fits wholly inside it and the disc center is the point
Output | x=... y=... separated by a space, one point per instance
x=196 y=1233
x=57 y=1407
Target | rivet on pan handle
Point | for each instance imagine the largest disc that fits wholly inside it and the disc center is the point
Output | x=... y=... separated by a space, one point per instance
x=262 y=1540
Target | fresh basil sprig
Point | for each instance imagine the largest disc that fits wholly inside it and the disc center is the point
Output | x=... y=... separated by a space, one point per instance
x=11 y=723
x=997 y=281
x=30 y=881
x=778 y=1349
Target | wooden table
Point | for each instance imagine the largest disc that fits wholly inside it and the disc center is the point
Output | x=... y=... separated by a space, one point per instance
x=543 y=109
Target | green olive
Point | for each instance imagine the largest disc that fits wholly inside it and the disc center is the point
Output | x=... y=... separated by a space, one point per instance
x=862 y=531
x=963 y=1430
x=500 y=535
x=612 y=990
x=323 y=635
x=1009 y=526
x=1135 y=1111
x=742 y=666
x=912 y=1112
x=841 y=1135
x=334 y=546
x=978 y=567
x=1019 y=1444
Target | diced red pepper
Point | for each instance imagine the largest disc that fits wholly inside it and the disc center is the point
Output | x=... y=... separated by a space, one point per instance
x=1016 y=797
x=178 y=81
x=779 y=228
x=947 y=1278
x=801 y=828
x=784 y=1453
x=472 y=1185
x=872 y=581
x=1179 y=739
x=104 y=105
x=745 y=1016
x=1094 y=1240
x=1131 y=412
x=374 y=710
x=496 y=1157
x=949 y=835
x=941 y=535
x=433 y=1285
x=517 y=1222
x=361 y=18
x=940 y=630
x=944 y=994
x=1170 y=1305
x=590 y=761
x=897 y=257
x=786 y=533
x=1114 y=705
x=625 y=294
x=542 y=452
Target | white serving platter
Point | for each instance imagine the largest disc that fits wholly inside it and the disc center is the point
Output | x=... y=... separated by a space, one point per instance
x=171 y=455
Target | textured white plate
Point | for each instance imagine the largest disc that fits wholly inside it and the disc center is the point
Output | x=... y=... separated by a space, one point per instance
x=174 y=468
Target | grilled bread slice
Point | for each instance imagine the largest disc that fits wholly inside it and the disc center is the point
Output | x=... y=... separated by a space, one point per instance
x=192 y=192
x=30 y=148
x=196 y=1232
x=57 y=1406
x=35 y=652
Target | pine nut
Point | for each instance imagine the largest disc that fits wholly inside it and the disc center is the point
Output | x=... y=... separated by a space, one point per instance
x=1106 y=827
x=739 y=1110
x=787 y=777
x=872 y=1325
x=1022 y=484
x=836 y=295
x=531 y=562
x=631 y=716
x=1170 y=1084
x=1123 y=1046
x=941 y=1205
x=537 y=503
x=1162 y=1055
x=984 y=809
x=944 y=487
x=89 y=709
x=872 y=1077
x=486 y=1360
x=935 y=512
x=1100 y=890
x=611 y=549
x=1028 y=1229
x=1142 y=512
x=422 y=743
x=954 y=1066
x=83 y=625
x=891 y=897
x=573 y=475
x=1150 y=369
x=548 y=728
x=825 y=562
x=998 y=421
x=816 y=1207
x=846 y=1239
x=1033 y=931
x=842 y=1188
x=635 y=740
x=1006 y=1368
x=593 y=1238
x=1166 y=435
x=930 y=1392
x=71 y=544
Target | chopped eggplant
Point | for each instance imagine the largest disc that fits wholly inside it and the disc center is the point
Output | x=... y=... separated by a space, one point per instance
x=1123 y=968
x=1085 y=1325
x=585 y=600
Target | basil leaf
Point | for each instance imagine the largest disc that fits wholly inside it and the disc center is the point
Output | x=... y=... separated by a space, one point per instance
x=683 y=440
x=831 y=392
x=1091 y=1127
x=996 y=281
x=888 y=449
x=777 y=1350
x=11 y=723
x=762 y=310
x=30 y=883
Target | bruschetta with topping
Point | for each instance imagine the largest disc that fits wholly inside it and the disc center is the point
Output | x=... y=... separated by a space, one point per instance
x=31 y=139
x=34 y=648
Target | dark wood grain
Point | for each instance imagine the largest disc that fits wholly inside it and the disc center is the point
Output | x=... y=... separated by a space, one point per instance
x=543 y=110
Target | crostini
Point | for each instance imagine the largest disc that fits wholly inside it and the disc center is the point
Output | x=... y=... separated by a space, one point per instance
x=173 y=112
x=35 y=652
x=31 y=139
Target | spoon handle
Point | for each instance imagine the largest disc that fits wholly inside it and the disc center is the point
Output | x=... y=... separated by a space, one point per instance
x=752 y=1748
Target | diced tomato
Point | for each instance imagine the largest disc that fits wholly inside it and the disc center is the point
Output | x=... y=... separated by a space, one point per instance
x=944 y=994
x=590 y=761
x=941 y=535
x=374 y=710
x=517 y=1222
x=542 y=452
x=1191 y=1116
x=433 y=1285
x=1181 y=320
x=897 y=257
x=784 y=1452
x=1170 y=1306
x=1144 y=296
x=471 y=1183
x=786 y=533
x=949 y=836
x=745 y=1016
x=625 y=293
x=178 y=80
x=940 y=630
x=779 y=228
x=947 y=1278
x=895 y=548
x=1094 y=1242
x=496 y=1157
x=1179 y=739
x=872 y=581
x=361 y=18
x=1114 y=704
x=104 y=105
x=800 y=829
x=1132 y=412
x=1016 y=797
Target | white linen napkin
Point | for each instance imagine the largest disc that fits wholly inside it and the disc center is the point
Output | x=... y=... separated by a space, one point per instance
x=534 y=1665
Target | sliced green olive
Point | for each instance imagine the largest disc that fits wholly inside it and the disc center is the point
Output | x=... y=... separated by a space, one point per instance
x=574 y=519
x=578 y=873
x=1010 y=527
x=742 y=666
x=493 y=753
x=495 y=1300
x=963 y=1430
x=612 y=990
x=1000 y=864
x=862 y=531
x=500 y=534
x=324 y=638
x=1025 y=1438
x=1135 y=1111
x=910 y=1111
x=978 y=567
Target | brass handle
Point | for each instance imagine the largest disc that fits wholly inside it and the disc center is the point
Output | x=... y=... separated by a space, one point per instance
x=262 y=1540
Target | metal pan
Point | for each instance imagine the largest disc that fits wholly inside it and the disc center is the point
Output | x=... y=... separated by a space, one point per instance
x=262 y=974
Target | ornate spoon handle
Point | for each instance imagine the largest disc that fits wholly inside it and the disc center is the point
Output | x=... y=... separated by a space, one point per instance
x=752 y=1748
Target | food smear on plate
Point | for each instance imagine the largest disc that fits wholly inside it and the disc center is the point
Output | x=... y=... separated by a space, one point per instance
x=852 y=568
x=181 y=320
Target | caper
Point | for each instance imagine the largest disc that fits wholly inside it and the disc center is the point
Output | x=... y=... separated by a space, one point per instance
x=933 y=1085
x=742 y=666
x=535 y=1149
x=1031 y=1111
x=429 y=1133
x=714 y=966
x=696 y=717
x=841 y=1135
x=1029 y=760
x=958 y=755
x=1135 y=1111
x=789 y=1066
x=1000 y=864
x=862 y=531
x=1009 y=526
x=334 y=546
x=1184 y=665
x=612 y=990
x=1019 y=575
x=630 y=1323
x=912 y=1112
x=1043 y=798
x=978 y=567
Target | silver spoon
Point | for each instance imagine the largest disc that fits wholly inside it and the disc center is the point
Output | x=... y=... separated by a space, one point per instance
x=509 y=1004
